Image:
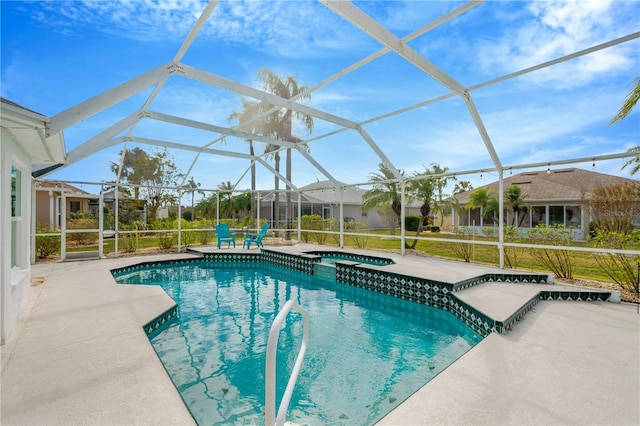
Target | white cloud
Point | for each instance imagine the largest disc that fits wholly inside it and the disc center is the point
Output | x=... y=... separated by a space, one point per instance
x=560 y=28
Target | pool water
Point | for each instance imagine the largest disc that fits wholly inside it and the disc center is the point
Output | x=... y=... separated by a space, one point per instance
x=367 y=351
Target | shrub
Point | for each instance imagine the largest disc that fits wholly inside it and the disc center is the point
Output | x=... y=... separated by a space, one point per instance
x=187 y=215
x=621 y=268
x=333 y=225
x=558 y=261
x=411 y=223
x=357 y=227
x=129 y=241
x=312 y=222
x=205 y=236
x=512 y=254
x=462 y=249
x=164 y=238
x=46 y=245
x=187 y=236
x=83 y=237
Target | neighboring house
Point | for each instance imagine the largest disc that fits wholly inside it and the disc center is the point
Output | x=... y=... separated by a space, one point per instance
x=322 y=199
x=49 y=197
x=24 y=151
x=553 y=197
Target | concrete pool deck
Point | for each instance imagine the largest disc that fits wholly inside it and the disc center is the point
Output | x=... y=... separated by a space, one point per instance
x=80 y=356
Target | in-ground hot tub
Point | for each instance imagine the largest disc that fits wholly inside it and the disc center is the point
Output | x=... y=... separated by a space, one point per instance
x=330 y=258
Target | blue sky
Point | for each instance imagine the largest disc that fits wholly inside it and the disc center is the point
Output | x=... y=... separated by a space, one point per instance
x=56 y=54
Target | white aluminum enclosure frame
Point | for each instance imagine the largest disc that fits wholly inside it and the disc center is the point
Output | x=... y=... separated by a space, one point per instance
x=175 y=68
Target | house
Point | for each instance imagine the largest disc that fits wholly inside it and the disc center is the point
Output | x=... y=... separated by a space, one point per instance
x=323 y=199
x=553 y=197
x=25 y=151
x=48 y=199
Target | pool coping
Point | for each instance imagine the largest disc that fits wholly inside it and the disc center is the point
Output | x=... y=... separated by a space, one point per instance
x=435 y=293
x=561 y=364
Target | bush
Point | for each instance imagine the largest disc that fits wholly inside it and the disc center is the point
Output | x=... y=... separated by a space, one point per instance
x=512 y=254
x=432 y=228
x=411 y=223
x=357 y=227
x=82 y=238
x=205 y=236
x=187 y=236
x=187 y=215
x=621 y=268
x=312 y=222
x=558 y=261
x=130 y=242
x=333 y=225
x=46 y=245
x=165 y=239
x=461 y=249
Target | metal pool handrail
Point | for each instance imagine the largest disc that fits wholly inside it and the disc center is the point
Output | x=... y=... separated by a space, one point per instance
x=270 y=382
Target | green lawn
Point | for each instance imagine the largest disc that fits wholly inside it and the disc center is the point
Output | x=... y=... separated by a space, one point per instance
x=584 y=264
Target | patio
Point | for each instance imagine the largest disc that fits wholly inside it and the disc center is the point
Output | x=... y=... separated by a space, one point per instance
x=80 y=356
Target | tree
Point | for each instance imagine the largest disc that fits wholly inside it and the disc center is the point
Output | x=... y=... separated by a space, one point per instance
x=192 y=186
x=626 y=108
x=154 y=173
x=462 y=186
x=423 y=190
x=614 y=207
x=226 y=199
x=515 y=198
x=247 y=120
x=281 y=127
x=636 y=160
x=440 y=183
x=127 y=164
x=482 y=198
x=386 y=191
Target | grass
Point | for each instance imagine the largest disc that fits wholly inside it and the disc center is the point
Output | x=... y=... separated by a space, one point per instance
x=584 y=265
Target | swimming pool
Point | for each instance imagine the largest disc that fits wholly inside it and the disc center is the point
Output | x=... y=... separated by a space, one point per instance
x=367 y=351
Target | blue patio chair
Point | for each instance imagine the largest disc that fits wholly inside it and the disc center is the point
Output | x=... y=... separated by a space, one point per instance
x=224 y=235
x=255 y=238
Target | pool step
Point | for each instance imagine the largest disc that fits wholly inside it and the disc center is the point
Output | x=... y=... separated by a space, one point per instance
x=325 y=271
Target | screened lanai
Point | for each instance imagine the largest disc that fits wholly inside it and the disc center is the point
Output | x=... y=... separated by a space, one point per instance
x=445 y=83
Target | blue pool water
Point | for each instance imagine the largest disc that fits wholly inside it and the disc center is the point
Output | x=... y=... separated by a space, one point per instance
x=367 y=351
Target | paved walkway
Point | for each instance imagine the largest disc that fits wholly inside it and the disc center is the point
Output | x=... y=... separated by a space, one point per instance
x=81 y=357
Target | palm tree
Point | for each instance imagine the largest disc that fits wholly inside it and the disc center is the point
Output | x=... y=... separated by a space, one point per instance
x=281 y=126
x=636 y=160
x=422 y=189
x=251 y=110
x=386 y=191
x=226 y=198
x=625 y=109
x=440 y=184
x=462 y=186
x=192 y=186
x=485 y=200
x=515 y=198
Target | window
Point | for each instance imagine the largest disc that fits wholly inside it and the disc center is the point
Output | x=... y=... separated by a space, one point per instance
x=574 y=217
x=74 y=206
x=538 y=216
x=556 y=215
x=364 y=213
x=16 y=218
